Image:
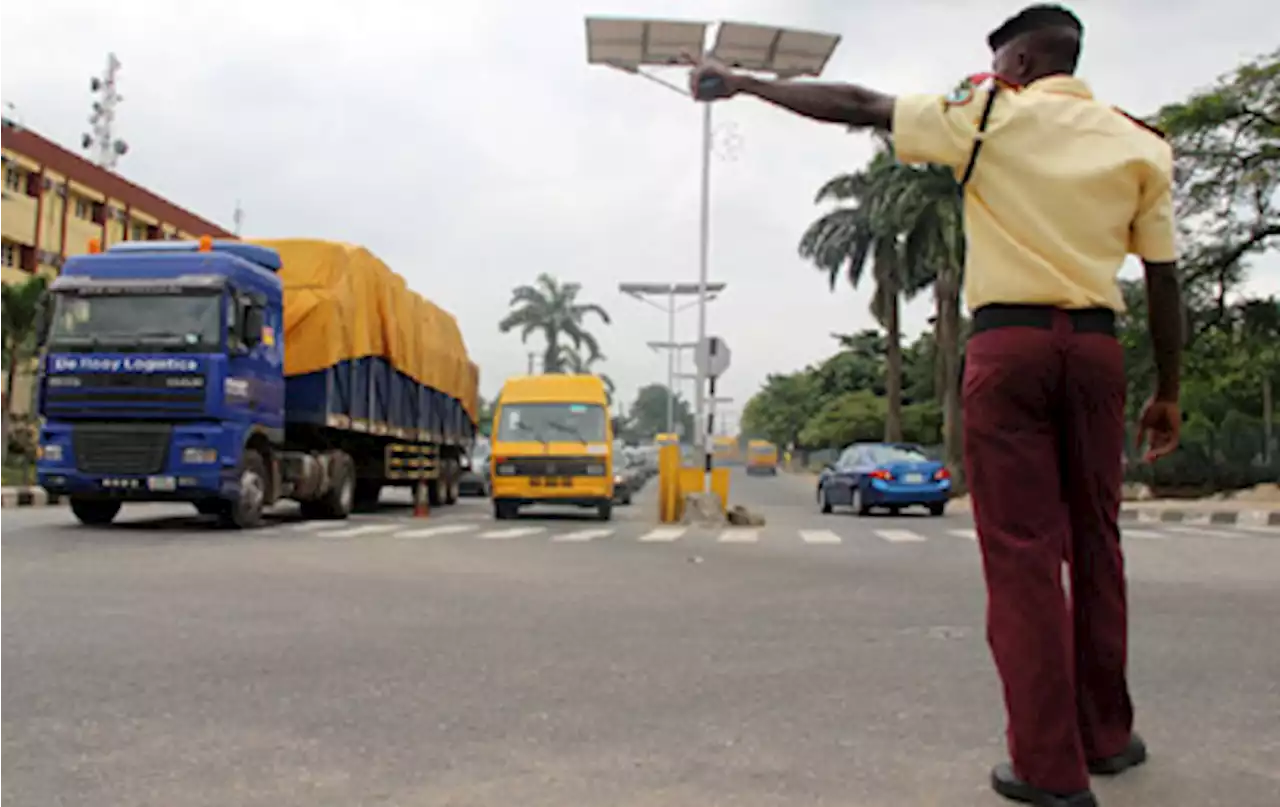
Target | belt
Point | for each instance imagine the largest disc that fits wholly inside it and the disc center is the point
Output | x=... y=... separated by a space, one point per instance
x=1007 y=315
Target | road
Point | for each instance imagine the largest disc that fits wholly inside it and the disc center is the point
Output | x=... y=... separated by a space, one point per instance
x=563 y=661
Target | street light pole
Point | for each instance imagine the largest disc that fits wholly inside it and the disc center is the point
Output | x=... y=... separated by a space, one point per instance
x=671 y=361
x=704 y=245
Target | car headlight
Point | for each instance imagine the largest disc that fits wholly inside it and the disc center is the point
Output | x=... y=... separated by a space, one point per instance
x=617 y=479
x=595 y=470
x=51 y=452
x=506 y=469
x=199 y=456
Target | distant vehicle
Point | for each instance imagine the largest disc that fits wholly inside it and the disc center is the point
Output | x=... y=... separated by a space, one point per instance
x=762 y=458
x=725 y=451
x=475 y=474
x=871 y=475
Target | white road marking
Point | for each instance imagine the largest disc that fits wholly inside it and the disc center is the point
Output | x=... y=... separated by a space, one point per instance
x=900 y=536
x=316 y=526
x=1128 y=533
x=971 y=535
x=819 y=537
x=363 y=529
x=739 y=536
x=1200 y=531
x=512 y=532
x=440 y=529
x=662 y=535
x=581 y=535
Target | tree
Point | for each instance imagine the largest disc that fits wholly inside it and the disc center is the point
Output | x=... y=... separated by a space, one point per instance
x=572 y=361
x=21 y=302
x=1226 y=142
x=869 y=229
x=780 y=410
x=648 y=415
x=552 y=309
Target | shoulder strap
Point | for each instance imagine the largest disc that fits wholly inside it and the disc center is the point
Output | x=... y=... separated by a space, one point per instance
x=977 y=140
x=1141 y=123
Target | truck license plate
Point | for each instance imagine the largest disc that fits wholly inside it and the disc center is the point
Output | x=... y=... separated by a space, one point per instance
x=915 y=479
x=162 y=484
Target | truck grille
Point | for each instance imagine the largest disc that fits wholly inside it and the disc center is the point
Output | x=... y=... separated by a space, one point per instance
x=124 y=395
x=113 y=448
x=554 y=466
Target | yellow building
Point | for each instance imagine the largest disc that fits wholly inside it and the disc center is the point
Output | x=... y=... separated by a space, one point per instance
x=55 y=202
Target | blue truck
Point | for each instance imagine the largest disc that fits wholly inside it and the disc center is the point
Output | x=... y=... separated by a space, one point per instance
x=232 y=375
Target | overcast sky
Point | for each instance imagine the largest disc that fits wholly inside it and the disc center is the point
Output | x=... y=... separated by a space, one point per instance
x=471 y=147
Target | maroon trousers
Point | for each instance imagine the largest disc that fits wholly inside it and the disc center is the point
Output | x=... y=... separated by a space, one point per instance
x=1043 y=438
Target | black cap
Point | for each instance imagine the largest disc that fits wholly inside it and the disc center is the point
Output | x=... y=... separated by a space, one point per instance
x=1040 y=17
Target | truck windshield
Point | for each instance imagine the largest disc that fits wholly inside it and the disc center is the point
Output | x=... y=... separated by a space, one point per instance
x=166 y=322
x=546 y=422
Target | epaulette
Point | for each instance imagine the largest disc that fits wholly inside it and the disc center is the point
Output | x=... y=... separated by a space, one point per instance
x=1140 y=122
x=978 y=79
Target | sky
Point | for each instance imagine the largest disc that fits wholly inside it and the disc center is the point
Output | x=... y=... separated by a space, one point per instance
x=471 y=147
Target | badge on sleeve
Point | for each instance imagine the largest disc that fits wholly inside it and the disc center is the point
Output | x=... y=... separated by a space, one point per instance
x=961 y=95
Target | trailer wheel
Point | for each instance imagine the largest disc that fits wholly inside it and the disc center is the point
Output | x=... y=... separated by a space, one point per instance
x=245 y=511
x=94 y=512
x=336 y=503
x=453 y=483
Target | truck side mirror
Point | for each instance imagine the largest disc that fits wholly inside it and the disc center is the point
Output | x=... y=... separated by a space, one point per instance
x=44 y=318
x=254 y=319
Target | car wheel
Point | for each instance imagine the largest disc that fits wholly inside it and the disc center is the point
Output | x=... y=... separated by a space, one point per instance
x=937 y=508
x=859 y=506
x=823 y=503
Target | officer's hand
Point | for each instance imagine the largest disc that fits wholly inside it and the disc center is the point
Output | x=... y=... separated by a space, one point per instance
x=1158 y=428
x=709 y=80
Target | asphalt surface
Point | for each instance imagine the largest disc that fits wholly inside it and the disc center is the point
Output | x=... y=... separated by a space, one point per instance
x=454 y=660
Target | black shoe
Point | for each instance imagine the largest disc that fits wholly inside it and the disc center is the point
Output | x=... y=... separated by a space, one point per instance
x=1134 y=754
x=1005 y=782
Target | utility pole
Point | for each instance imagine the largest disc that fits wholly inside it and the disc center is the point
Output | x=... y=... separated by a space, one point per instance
x=101 y=142
x=237 y=219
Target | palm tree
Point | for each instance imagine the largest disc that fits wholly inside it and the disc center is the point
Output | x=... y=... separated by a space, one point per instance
x=21 y=307
x=552 y=308
x=572 y=361
x=929 y=206
x=869 y=229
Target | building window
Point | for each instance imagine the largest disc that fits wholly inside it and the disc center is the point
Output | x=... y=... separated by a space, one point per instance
x=84 y=209
x=14 y=180
x=12 y=258
x=138 y=232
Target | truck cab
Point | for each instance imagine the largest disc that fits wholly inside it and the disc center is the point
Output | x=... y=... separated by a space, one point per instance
x=162 y=363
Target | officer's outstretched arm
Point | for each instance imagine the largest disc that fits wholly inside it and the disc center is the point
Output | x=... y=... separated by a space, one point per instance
x=848 y=104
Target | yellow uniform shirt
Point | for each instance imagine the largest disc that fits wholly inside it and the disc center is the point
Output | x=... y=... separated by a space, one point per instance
x=1064 y=188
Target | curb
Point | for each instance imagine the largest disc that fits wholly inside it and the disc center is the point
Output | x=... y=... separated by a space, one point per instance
x=1254 y=518
x=28 y=497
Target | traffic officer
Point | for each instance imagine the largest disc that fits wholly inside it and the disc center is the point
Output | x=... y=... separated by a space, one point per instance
x=1059 y=188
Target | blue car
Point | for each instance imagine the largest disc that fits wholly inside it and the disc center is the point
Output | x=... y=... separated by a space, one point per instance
x=886 y=475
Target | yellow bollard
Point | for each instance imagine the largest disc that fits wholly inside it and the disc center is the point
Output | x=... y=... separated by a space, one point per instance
x=720 y=486
x=668 y=483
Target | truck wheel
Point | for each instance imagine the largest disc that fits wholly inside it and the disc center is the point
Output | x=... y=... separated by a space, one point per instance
x=336 y=503
x=453 y=485
x=435 y=492
x=366 y=494
x=245 y=511
x=94 y=512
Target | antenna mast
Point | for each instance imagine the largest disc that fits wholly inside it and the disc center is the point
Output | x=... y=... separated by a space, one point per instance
x=101 y=142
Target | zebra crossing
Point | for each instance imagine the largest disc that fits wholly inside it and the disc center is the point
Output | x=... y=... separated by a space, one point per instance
x=576 y=533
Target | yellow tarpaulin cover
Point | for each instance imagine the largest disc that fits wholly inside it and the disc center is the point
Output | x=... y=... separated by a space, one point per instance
x=341 y=302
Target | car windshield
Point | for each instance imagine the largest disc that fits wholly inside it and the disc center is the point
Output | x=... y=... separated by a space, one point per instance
x=761 y=449
x=886 y=455
x=136 y=321
x=547 y=422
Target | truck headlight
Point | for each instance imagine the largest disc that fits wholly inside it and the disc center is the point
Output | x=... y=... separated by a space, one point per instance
x=51 y=452
x=199 y=456
x=595 y=470
x=506 y=469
